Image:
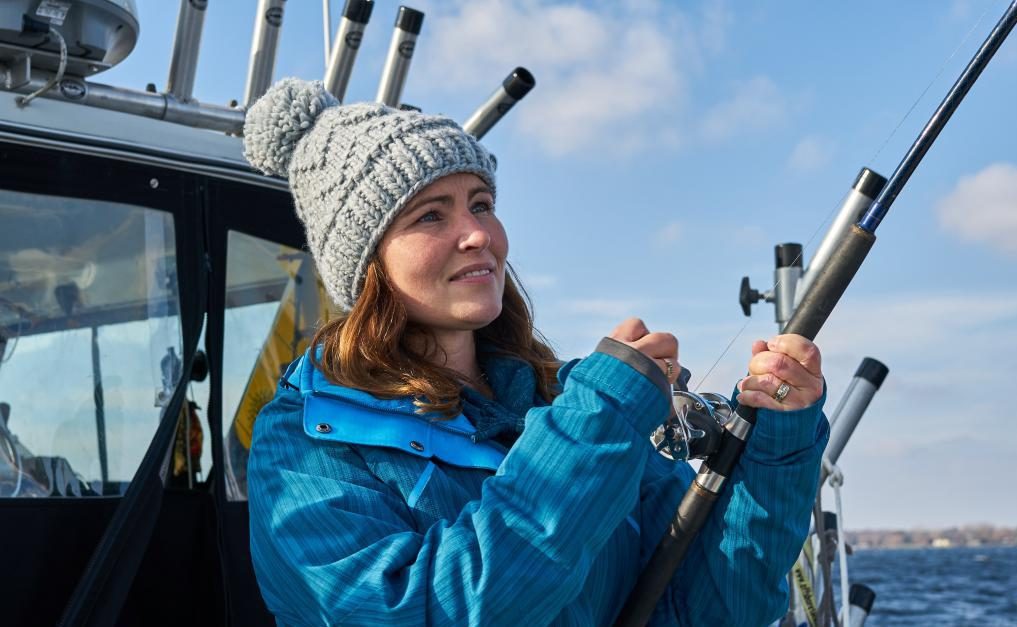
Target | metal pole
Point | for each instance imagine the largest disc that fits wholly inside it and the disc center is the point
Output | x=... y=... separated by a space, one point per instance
x=100 y=410
x=264 y=43
x=808 y=319
x=326 y=22
x=788 y=269
x=149 y=105
x=184 y=61
x=348 y=36
x=515 y=86
x=400 y=53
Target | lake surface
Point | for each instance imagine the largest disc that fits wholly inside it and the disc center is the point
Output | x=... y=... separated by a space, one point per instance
x=958 y=586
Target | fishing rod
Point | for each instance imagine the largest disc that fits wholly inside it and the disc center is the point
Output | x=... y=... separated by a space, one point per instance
x=816 y=306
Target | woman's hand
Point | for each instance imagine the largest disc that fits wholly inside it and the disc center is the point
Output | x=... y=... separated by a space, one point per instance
x=660 y=347
x=785 y=359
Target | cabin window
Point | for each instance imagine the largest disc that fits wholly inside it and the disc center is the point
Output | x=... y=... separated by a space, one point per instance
x=90 y=342
x=274 y=304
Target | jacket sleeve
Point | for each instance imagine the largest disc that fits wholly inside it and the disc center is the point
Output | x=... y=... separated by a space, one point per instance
x=735 y=572
x=333 y=544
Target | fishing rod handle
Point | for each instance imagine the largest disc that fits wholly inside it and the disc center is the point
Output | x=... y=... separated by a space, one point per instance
x=698 y=502
x=822 y=296
x=693 y=511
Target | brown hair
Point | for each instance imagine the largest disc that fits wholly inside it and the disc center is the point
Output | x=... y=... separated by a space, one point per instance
x=368 y=348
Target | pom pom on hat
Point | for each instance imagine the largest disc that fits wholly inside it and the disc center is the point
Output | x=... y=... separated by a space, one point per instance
x=279 y=119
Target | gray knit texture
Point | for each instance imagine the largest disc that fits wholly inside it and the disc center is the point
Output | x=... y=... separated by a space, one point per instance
x=352 y=168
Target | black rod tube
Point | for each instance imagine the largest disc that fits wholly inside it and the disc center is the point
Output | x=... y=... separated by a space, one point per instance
x=515 y=86
x=348 y=37
x=953 y=98
x=808 y=319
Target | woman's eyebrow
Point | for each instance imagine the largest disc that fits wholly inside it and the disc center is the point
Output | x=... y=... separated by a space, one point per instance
x=445 y=199
x=480 y=189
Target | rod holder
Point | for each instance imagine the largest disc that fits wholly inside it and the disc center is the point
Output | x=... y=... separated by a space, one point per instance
x=867 y=380
x=400 y=53
x=186 y=44
x=866 y=187
x=787 y=271
x=264 y=46
x=142 y=103
x=348 y=36
x=513 y=89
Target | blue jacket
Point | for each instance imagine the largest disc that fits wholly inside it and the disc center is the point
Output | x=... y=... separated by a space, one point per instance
x=364 y=512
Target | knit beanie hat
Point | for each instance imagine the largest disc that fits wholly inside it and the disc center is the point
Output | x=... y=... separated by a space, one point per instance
x=352 y=168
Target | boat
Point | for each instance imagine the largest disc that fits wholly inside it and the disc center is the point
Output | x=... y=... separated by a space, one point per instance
x=153 y=288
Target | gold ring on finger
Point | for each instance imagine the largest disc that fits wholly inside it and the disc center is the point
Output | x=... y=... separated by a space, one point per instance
x=670 y=368
x=781 y=393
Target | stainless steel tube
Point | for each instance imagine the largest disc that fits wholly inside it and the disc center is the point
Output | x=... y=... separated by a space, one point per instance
x=866 y=187
x=345 y=45
x=400 y=53
x=787 y=272
x=515 y=86
x=184 y=61
x=868 y=378
x=264 y=45
x=149 y=105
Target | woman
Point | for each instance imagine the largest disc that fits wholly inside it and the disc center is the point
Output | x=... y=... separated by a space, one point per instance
x=427 y=462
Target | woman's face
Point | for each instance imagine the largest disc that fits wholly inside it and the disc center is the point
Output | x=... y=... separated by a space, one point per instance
x=445 y=255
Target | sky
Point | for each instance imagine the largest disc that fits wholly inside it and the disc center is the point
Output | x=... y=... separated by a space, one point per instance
x=666 y=149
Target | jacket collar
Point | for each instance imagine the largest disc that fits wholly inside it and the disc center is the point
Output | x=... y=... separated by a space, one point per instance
x=512 y=380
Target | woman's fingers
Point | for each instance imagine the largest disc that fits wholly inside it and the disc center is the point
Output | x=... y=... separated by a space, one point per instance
x=764 y=390
x=784 y=373
x=798 y=348
x=629 y=331
x=662 y=348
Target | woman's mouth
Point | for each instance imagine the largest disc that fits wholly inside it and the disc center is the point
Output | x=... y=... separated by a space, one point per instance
x=474 y=274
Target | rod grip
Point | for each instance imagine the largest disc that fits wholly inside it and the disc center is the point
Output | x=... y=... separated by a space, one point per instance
x=693 y=511
x=831 y=282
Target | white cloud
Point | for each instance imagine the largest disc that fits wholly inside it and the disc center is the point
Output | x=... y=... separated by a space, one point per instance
x=756 y=104
x=615 y=309
x=811 y=153
x=917 y=323
x=538 y=281
x=983 y=208
x=669 y=234
x=610 y=77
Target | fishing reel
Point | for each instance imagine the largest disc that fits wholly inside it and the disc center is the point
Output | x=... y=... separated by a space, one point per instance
x=695 y=428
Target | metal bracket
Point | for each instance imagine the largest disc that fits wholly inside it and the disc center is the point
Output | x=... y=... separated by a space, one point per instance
x=17 y=72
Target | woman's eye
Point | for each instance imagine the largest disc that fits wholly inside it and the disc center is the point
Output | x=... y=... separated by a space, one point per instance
x=430 y=216
x=482 y=207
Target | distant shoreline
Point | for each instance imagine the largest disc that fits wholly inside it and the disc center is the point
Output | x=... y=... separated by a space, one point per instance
x=954 y=537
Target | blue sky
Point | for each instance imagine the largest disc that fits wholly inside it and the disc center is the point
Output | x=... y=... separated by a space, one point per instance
x=668 y=146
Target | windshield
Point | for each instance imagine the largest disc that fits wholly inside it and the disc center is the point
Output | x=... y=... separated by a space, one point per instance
x=90 y=341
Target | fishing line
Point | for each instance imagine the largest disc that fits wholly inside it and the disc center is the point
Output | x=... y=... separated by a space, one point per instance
x=744 y=325
x=829 y=216
x=935 y=78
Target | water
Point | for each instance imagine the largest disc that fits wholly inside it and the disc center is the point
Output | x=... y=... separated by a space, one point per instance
x=959 y=586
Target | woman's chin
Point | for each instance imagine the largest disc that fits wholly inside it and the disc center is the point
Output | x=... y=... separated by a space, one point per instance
x=477 y=316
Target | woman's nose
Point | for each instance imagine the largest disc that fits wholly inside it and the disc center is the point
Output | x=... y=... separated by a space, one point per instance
x=474 y=235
